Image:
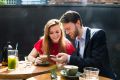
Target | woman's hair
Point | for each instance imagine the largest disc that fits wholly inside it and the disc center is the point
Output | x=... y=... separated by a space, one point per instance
x=47 y=42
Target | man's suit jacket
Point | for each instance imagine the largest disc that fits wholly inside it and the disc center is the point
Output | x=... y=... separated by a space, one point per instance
x=95 y=53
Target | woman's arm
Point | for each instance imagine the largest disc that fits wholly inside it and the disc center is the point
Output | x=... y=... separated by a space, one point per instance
x=33 y=55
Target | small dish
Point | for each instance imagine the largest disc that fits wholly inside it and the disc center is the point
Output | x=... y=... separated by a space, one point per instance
x=63 y=73
x=44 y=64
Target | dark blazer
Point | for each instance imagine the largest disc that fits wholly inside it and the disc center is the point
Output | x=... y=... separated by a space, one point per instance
x=95 y=53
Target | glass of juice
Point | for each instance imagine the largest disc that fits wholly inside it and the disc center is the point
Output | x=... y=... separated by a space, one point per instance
x=12 y=59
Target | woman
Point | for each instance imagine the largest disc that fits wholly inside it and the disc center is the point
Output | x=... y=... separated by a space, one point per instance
x=51 y=43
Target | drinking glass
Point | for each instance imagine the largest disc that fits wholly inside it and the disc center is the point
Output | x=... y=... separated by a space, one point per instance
x=91 y=73
x=59 y=65
x=27 y=61
x=12 y=59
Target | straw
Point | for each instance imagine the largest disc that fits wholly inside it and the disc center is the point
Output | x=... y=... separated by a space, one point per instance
x=16 y=45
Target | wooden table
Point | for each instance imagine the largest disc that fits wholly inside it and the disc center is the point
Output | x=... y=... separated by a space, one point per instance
x=32 y=73
x=23 y=71
x=47 y=77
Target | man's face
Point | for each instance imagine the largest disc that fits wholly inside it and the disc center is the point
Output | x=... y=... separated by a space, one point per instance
x=71 y=29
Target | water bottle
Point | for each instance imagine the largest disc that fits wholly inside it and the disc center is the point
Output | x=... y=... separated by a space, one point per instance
x=6 y=47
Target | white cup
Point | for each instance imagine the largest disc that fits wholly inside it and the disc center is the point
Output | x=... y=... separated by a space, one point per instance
x=71 y=70
x=44 y=58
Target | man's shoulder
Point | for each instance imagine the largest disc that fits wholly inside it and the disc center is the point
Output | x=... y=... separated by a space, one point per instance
x=94 y=31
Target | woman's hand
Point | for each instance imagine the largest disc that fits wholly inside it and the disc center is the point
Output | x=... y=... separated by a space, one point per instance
x=38 y=61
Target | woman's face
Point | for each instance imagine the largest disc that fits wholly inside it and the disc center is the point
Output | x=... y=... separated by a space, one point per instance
x=55 y=33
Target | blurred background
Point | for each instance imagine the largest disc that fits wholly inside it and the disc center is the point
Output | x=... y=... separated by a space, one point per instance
x=29 y=2
x=22 y=22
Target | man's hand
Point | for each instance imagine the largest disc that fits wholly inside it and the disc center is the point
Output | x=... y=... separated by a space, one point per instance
x=62 y=57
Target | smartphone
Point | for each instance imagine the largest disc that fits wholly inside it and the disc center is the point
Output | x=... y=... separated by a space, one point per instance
x=52 y=56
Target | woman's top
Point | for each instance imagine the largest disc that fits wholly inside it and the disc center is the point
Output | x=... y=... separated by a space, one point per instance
x=55 y=47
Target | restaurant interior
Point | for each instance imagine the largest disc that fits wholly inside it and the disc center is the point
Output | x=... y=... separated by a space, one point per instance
x=23 y=23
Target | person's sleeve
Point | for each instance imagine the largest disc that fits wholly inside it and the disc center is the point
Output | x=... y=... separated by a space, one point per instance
x=38 y=46
x=68 y=58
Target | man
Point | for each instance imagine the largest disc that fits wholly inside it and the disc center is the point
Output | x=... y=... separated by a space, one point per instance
x=91 y=48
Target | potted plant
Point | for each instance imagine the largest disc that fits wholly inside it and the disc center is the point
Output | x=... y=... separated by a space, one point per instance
x=2 y=2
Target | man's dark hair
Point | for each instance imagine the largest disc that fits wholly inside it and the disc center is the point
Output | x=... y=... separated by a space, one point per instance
x=70 y=16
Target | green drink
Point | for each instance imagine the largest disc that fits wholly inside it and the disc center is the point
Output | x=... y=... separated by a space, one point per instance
x=12 y=62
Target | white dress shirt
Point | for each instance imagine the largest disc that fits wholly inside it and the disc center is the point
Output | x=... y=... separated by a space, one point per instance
x=81 y=43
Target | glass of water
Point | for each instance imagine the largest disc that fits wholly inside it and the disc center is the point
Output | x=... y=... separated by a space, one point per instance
x=91 y=73
x=27 y=61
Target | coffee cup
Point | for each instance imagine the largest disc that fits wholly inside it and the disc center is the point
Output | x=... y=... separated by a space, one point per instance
x=71 y=70
x=44 y=58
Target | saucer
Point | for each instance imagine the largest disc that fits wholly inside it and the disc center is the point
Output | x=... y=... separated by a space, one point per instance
x=43 y=64
x=63 y=73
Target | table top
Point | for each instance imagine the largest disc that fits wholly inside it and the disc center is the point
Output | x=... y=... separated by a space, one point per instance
x=32 y=73
x=23 y=71
x=59 y=77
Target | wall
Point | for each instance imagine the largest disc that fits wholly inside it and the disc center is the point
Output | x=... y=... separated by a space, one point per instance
x=24 y=24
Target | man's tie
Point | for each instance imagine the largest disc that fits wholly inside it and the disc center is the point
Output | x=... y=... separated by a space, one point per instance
x=78 y=49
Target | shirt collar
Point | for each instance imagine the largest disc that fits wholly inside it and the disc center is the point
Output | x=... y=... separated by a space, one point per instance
x=83 y=35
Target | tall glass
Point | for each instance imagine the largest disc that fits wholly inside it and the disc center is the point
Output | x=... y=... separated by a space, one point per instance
x=12 y=59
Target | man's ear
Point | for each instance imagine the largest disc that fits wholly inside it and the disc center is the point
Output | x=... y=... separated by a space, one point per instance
x=78 y=23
